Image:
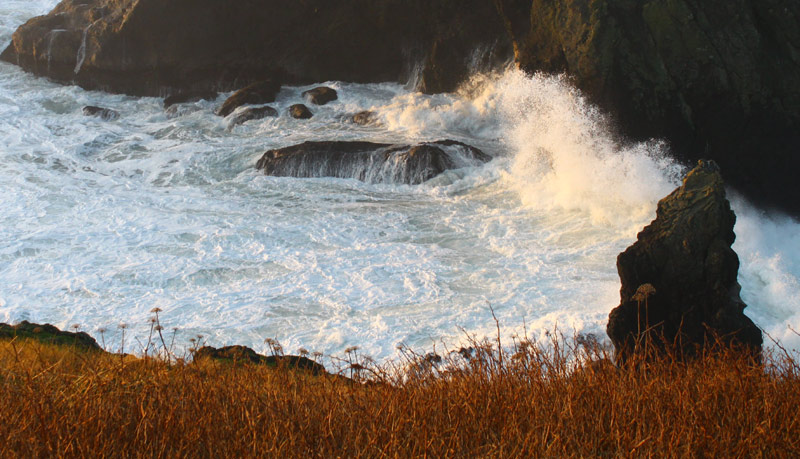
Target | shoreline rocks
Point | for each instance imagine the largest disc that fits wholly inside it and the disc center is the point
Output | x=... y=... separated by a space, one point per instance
x=321 y=95
x=152 y=48
x=262 y=92
x=300 y=111
x=364 y=118
x=48 y=334
x=244 y=355
x=679 y=279
x=106 y=114
x=251 y=113
x=370 y=162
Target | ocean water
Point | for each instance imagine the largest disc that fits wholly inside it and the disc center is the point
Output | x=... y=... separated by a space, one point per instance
x=103 y=221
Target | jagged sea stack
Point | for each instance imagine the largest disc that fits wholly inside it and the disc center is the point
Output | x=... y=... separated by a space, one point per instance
x=679 y=279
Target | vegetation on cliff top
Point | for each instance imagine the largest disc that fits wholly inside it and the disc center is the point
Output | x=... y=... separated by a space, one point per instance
x=561 y=398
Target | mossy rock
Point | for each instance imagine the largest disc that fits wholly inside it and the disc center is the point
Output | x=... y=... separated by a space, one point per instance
x=48 y=334
x=238 y=355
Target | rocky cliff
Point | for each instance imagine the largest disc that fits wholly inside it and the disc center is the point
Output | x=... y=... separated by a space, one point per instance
x=679 y=279
x=719 y=79
x=155 y=47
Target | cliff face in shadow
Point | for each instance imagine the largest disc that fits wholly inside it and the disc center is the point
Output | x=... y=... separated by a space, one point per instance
x=719 y=79
x=153 y=47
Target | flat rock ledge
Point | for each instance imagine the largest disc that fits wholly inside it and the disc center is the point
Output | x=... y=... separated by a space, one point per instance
x=371 y=162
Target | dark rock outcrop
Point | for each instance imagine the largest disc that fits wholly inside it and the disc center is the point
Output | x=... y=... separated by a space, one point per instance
x=300 y=112
x=262 y=92
x=105 y=114
x=252 y=113
x=48 y=334
x=321 y=95
x=370 y=162
x=245 y=355
x=679 y=279
x=719 y=79
x=155 y=47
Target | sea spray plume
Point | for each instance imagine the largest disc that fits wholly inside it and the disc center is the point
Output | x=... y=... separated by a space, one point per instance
x=565 y=156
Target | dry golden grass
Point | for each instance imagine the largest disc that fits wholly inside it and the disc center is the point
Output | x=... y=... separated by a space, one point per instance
x=541 y=401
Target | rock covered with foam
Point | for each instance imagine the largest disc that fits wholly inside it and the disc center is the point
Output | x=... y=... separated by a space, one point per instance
x=262 y=92
x=371 y=162
x=679 y=279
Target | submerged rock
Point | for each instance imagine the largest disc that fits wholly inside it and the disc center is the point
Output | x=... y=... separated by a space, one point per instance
x=679 y=279
x=262 y=92
x=300 y=111
x=48 y=334
x=104 y=113
x=188 y=96
x=251 y=113
x=243 y=354
x=321 y=95
x=371 y=162
x=364 y=118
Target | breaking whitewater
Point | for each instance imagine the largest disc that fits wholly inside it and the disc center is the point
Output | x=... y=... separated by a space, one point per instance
x=103 y=221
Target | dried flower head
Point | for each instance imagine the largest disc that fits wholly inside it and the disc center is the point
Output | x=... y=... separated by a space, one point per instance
x=643 y=292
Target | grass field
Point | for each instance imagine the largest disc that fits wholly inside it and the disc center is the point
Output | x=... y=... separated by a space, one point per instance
x=553 y=399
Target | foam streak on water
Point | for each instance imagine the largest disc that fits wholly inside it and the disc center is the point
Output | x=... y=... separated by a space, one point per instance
x=103 y=221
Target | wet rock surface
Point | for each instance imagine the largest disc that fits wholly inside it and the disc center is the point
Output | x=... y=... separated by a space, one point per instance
x=370 y=162
x=679 y=279
x=152 y=47
x=251 y=113
x=365 y=118
x=321 y=95
x=106 y=114
x=300 y=111
x=262 y=92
